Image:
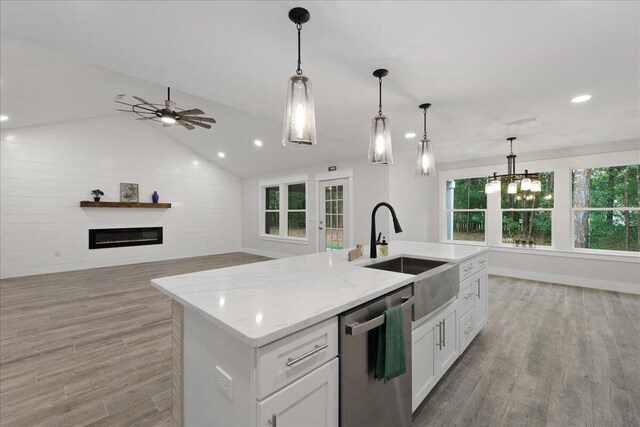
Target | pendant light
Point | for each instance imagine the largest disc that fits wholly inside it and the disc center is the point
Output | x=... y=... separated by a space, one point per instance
x=528 y=181
x=380 y=140
x=425 y=165
x=299 y=128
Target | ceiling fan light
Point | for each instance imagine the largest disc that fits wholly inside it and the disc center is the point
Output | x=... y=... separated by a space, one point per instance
x=380 y=142
x=512 y=188
x=299 y=129
x=425 y=165
x=168 y=119
x=525 y=184
x=536 y=186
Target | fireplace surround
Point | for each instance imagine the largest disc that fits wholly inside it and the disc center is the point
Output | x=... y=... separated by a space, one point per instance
x=101 y=238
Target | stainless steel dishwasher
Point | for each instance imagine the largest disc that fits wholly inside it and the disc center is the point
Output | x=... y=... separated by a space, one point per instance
x=365 y=401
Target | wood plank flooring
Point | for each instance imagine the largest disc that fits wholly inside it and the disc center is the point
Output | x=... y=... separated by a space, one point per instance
x=549 y=355
x=93 y=347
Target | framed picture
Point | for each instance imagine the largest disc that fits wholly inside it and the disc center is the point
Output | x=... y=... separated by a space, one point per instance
x=128 y=192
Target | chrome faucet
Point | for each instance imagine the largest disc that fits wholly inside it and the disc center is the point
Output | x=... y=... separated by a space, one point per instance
x=396 y=226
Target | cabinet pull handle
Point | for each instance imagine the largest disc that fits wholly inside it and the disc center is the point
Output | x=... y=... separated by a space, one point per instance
x=478 y=288
x=318 y=348
x=440 y=335
x=444 y=334
x=273 y=421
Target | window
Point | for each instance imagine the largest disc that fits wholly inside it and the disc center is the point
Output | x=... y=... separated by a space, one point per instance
x=526 y=216
x=284 y=209
x=605 y=208
x=466 y=209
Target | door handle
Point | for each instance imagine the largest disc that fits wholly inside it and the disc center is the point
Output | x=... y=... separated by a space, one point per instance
x=444 y=333
x=273 y=421
x=359 y=328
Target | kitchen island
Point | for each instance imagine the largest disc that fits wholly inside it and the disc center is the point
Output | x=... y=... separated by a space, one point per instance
x=251 y=340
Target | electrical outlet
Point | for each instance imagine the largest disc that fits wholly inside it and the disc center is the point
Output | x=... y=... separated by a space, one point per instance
x=225 y=382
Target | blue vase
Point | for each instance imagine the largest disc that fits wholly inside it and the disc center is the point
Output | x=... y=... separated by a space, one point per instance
x=155 y=197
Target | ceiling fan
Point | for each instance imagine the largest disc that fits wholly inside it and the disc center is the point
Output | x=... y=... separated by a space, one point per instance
x=168 y=114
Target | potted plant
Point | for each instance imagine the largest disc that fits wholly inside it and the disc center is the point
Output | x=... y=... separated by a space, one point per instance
x=96 y=194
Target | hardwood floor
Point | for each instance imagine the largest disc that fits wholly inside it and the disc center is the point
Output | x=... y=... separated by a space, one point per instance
x=93 y=347
x=549 y=355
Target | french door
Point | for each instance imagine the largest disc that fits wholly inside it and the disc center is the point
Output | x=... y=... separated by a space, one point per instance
x=333 y=220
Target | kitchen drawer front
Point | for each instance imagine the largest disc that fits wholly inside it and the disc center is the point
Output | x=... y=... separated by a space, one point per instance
x=467 y=268
x=481 y=261
x=466 y=329
x=466 y=296
x=289 y=358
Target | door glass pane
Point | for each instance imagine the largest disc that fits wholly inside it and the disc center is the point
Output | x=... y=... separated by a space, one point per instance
x=272 y=198
x=297 y=196
x=297 y=224
x=530 y=227
x=272 y=223
x=339 y=207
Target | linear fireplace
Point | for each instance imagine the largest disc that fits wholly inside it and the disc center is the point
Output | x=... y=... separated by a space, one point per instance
x=117 y=237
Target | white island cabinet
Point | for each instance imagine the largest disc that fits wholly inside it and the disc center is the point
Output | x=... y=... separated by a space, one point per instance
x=257 y=344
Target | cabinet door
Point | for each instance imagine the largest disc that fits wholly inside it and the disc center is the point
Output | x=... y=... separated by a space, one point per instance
x=423 y=362
x=310 y=401
x=481 y=302
x=448 y=345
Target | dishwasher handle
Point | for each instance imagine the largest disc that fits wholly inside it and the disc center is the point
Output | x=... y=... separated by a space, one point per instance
x=360 y=328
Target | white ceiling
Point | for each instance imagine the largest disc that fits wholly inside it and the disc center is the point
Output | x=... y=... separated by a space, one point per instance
x=481 y=64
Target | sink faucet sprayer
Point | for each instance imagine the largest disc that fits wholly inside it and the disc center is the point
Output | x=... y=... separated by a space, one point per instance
x=396 y=226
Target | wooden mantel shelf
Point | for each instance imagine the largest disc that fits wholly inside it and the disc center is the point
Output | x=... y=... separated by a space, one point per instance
x=89 y=204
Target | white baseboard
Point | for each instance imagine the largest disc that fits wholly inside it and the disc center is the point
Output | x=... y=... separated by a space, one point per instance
x=585 y=282
x=268 y=254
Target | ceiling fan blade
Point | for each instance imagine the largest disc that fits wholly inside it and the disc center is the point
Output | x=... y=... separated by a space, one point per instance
x=145 y=102
x=126 y=111
x=145 y=118
x=170 y=105
x=193 y=122
x=188 y=126
x=201 y=119
x=191 y=112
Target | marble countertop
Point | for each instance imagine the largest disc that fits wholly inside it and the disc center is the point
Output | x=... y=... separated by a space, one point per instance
x=265 y=301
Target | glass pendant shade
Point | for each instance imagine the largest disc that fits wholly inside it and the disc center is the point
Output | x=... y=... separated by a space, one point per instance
x=496 y=186
x=536 y=186
x=488 y=188
x=525 y=184
x=380 y=141
x=299 y=129
x=425 y=165
x=512 y=188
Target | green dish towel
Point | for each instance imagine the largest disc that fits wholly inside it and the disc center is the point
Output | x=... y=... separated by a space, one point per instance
x=391 y=360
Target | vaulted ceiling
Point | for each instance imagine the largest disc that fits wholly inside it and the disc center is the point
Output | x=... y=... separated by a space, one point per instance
x=481 y=65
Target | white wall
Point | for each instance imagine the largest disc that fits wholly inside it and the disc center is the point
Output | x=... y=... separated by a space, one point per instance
x=560 y=264
x=46 y=171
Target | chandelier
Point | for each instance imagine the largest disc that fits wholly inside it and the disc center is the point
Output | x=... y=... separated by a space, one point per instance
x=528 y=180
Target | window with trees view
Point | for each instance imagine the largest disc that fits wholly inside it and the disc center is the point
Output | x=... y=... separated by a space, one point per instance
x=466 y=204
x=284 y=212
x=605 y=208
x=526 y=216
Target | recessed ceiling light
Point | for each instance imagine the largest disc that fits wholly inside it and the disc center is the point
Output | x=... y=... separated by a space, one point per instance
x=3 y=118
x=581 y=98
x=410 y=135
x=221 y=154
x=195 y=163
x=258 y=143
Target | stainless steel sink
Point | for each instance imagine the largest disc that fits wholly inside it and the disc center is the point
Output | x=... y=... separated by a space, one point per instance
x=436 y=282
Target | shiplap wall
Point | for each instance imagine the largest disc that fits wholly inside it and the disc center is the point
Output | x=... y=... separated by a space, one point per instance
x=46 y=171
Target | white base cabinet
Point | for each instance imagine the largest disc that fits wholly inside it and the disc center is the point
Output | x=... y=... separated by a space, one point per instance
x=434 y=349
x=310 y=401
x=440 y=339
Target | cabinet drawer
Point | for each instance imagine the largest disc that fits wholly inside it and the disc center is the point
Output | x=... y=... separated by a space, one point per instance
x=466 y=329
x=467 y=295
x=467 y=268
x=288 y=359
x=481 y=261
